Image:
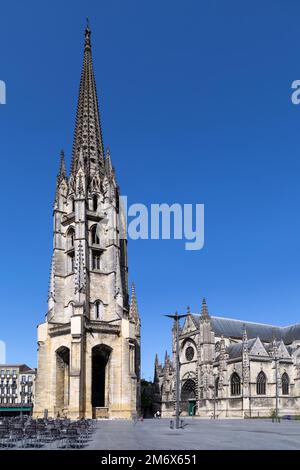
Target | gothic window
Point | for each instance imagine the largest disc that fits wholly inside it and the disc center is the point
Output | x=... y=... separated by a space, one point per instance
x=217 y=346
x=188 y=390
x=189 y=353
x=235 y=384
x=95 y=203
x=217 y=387
x=95 y=238
x=96 y=260
x=98 y=310
x=285 y=383
x=132 y=358
x=71 y=238
x=72 y=204
x=261 y=383
x=71 y=262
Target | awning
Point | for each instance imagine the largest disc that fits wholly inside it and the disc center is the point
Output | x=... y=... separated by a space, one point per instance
x=16 y=409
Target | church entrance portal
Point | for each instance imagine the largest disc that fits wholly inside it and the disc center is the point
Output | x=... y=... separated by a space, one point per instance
x=100 y=367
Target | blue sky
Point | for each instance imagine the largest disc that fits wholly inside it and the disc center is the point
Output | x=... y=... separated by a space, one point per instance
x=195 y=106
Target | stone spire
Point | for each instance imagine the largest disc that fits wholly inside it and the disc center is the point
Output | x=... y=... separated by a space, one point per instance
x=204 y=310
x=108 y=164
x=245 y=363
x=88 y=134
x=156 y=360
x=156 y=368
x=62 y=169
x=134 y=311
x=274 y=345
x=245 y=339
x=167 y=359
x=61 y=184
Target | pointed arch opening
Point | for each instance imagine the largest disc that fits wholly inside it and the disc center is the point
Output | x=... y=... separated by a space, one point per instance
x=72 y=204
x=101 y=355
x=99 y=310
x=285 y=384
x=235 y=384
x=94 y=235
x=71 y=238
x=95 y=201
x=62 y=378
x=188 y=397
x=188 y=390
x=261 y=382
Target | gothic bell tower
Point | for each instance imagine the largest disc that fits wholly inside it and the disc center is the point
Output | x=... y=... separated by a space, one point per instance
x=89 y=345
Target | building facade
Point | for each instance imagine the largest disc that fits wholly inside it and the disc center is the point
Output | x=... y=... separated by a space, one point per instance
x=17 y=389
x=231 y=368
x=89 y=344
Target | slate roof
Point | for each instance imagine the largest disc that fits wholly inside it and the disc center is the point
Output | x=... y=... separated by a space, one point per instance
x=235 y=350
x=234 y=328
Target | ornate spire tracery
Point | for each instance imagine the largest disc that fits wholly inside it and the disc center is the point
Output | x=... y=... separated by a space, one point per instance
x=88 y=134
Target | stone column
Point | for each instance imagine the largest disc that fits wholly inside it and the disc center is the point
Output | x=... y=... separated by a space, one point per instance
x=76 y=407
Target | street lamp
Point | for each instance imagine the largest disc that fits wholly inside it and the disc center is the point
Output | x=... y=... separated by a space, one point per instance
x=215 y=392
x=22 y=399
x=176 y=318
x=277 y=397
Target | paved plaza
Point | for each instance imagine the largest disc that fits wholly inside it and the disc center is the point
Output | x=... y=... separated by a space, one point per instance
x=197 y=434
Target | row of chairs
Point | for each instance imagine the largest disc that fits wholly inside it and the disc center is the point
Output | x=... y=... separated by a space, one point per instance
x=60 y=433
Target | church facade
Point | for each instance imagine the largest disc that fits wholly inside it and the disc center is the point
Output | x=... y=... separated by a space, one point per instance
x=89 y=344
x=231 y=368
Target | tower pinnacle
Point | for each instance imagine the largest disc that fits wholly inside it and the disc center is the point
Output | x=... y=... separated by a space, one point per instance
x=204 y=309
x=133 y=311
x=62 y=170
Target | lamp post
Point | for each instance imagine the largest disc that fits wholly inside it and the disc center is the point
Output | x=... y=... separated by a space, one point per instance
x=176 y=318
x=22 y=402
x=215 y=390
x=276 y=388
x=22 y=398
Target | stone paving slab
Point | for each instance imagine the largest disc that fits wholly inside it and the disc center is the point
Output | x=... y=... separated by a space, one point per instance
x=198 y=434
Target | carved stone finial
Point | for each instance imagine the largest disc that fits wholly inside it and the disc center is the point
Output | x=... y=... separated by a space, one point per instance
x=204 y=309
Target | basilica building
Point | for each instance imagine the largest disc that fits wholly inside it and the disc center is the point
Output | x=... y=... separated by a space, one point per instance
x=231 y=368
x=89 y=344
